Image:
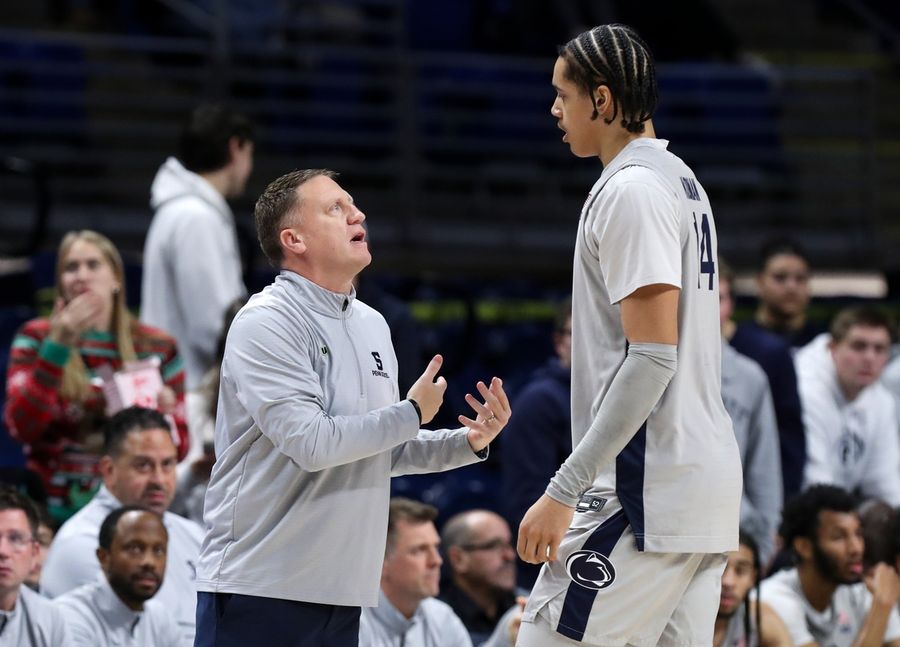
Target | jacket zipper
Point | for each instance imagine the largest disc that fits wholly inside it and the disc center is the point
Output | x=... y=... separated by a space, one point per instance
x=359 y=371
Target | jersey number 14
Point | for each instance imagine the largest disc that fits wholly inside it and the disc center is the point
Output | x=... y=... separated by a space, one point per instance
x=705 y=250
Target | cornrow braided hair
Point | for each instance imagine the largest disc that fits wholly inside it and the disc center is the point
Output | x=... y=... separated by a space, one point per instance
x=615 y=56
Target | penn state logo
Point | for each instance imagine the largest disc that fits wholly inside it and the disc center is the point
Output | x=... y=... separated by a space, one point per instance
x=851 y=448
x=590 y=569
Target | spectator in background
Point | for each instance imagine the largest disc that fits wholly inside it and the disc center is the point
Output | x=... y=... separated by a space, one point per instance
x=741 y=622
x=44 y=537
x=26 y=618
x=823 y=601
x=53 y=405
x=506 y=633
x=192 y=264
x=784 y=295
x=852 y=434
x=116 y=608
x=541 y=433
x=895 y=534
x=891 y=377
x=748 y=400
x=774 y=356
x=200 y=407
x=408 y=613
x=878 y=521
x=482 y=584
x=138 y=468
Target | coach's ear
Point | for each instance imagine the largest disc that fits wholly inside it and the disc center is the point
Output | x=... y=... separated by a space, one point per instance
x=803 y=546
x=292 y=241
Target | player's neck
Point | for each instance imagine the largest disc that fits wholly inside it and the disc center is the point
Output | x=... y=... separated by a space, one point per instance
x=721 y=630
x=767 y=318
x=618 y=138
x=818 y=590
x=850 y=392
x=405 y=604
x=219 y=179
x=8 y=598
x=339 y=284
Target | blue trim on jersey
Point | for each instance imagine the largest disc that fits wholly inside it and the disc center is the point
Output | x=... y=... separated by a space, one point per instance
x=630 y=464
x=579 y=601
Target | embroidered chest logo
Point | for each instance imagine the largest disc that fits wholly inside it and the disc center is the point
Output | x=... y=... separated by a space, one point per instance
x=590 y=569
x=851 y=448
x=324 y=350
x=379 y=366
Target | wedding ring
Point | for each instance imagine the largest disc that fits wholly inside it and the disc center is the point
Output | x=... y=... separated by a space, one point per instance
x=491 y=419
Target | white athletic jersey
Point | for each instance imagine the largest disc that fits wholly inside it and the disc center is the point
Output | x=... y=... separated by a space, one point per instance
x=837 y=626
x=647 y=221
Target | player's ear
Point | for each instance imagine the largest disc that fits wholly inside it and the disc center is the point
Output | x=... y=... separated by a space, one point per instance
x=602 y=98
x=292 y=241
x=105 y=466
x=803 y=546
x=235 y=146
x=103 y=558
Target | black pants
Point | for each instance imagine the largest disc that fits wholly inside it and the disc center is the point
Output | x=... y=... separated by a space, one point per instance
x=233 y=620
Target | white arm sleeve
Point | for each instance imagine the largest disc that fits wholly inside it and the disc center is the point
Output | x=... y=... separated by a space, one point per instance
x=634 y=391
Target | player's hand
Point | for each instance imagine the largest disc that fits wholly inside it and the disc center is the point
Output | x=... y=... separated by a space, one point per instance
x=491 y=415
x=512 y=629
x=69 y=320
x=884 y=584
x=428 y=392
x=542 y=529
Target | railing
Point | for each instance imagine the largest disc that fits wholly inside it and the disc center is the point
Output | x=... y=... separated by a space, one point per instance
x=454 y=157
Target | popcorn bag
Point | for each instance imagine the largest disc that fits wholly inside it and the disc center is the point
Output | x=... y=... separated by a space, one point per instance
x=138 y=383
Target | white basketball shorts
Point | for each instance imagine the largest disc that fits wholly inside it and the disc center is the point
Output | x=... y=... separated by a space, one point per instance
x=603 y=591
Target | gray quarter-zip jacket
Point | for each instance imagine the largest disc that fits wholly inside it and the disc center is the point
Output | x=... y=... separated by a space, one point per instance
x=308 y=432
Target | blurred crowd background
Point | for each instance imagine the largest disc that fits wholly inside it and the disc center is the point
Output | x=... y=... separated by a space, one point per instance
x=437 y=115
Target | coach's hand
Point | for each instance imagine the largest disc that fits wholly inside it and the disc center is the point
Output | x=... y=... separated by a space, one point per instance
x=542 y=529
x=491 y=415
x=428 y=392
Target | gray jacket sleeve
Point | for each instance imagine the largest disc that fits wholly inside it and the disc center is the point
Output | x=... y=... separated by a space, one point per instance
x=433 y=451
x=763 y=490
x=269 y=361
